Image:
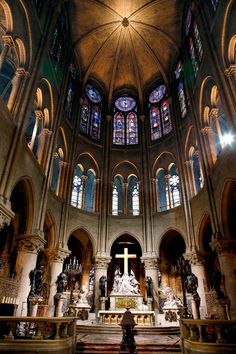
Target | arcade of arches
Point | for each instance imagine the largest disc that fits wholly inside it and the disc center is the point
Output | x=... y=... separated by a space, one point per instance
x=118 y=130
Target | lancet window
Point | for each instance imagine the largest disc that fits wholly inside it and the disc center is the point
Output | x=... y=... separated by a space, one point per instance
x=58 y=157
x=125 y=196
x=159 y=113
x=83 y=189
x=58 y=46
x=193 y=41
x=179 y=75
x=70 y=91
x=91 y=113
x=168 y=188
x=125 y=121
x=214 y=4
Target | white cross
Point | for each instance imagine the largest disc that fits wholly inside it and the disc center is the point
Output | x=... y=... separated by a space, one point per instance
x=126 y=257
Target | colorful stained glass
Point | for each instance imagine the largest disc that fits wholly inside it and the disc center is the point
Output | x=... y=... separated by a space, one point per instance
x=157 y=94
x=198 y=42
x=59 y=41
x=70 y=92
x=131 y=129
x=155 y=122
x=178 y=70
x=182 y=100
x=193 y=56
x=125 y=104
x=188 y=21
x=96 y=117
x=119 y=129
x=85 y=114
x=166 y=121
x=93 y=94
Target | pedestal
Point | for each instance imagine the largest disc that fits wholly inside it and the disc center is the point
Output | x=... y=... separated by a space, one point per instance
x=59 y=302
x=81 y=311
x=149 y=303
x=33 y=304
x=102 y=303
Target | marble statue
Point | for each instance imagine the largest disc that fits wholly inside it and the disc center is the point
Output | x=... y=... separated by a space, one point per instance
x=125 y=284
x=171 y=299
x=83 y=295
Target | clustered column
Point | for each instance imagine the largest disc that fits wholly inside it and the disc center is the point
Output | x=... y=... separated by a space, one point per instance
x=151 y=270
x=100 y=269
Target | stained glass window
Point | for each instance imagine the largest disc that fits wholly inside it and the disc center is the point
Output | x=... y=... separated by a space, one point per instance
x=91 y=113
x=70 y=91
x=56 y=170
x=174 y=187
x=180 y=88
x=6 y=75
x=155 y=120
x=132 y=129
x=85 y=115
x=159 y=113
x=157 y=94
x=125 y=122
x=58 y=46
x=89 y=192
x=214 y=4
x=117 y=196
x=193 y=41
x=77 y=188
x=133 y=196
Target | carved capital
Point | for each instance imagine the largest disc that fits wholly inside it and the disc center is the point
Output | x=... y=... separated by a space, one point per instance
x=207 y=131
x=194 y=258
x=150 y=262
x=223 y=246
x=39 y=115
x=230 y=70
x=6 y=214
x=30 y=243
x=102 y=262
x=59 y=255
x=8 y=40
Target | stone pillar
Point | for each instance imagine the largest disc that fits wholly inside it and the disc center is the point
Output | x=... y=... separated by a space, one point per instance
x=6 y=214
x=61 y=183
x=44 y=142
x=226 y=250
x=8 y=43
x=191 y=179
x=16 y=82
x=169 y=201
x=151 y=270
x=198 y=268
x=28 y=247
x=100 y=268
x=209 y=141
x=97 y=182
x=57 y=258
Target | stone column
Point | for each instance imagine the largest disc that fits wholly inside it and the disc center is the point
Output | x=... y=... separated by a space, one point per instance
x=226 y=250
x=57 y=258
x=97 y=182
x=191 y=180
x=209 y=141
x=6 y=214
x=8 y=43
x=198 y=268
x=61 y=183
x=151 y=270
x=16 y=82
x=28 y=247
x=100 y=268
x=169 y=201
x=44 y=142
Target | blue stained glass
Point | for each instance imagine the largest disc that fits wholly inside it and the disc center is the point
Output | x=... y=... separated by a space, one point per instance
x=85 y=113
x=119 y=129
x=93 y=94
x=188 y=21
x=125 y=104
x=193 y=56
x=155 y=122
x=132 y=129
x=182 y=99
x=214 y=4
x=178 y=70
x=157 y=94
x=198 y=42
x=96 y=122
x=166 y=121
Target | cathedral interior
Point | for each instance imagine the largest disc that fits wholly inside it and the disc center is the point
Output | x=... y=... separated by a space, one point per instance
x=118 y=138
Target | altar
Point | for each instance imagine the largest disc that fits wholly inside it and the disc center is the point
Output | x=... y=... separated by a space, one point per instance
x=125 y=295
x=142 y=318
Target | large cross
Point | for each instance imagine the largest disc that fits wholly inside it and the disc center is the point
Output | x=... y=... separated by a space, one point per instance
x=126 y=257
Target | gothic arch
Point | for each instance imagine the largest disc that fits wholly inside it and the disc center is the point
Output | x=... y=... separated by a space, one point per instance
x=228 y=28
x=201 y=229
x=8 y=16
x=88 y=162
x=165 y=233
x=228 y=208
x=164 y=159
x=84 y=231
x=25 y=187
x=125 y=168
x=50 y=228
x=129 y=234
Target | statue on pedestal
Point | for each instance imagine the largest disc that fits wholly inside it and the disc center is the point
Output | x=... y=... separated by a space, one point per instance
x=103 y=286
x=149 y=287
x=61 y=283
x=36 y=281
x=125 y=284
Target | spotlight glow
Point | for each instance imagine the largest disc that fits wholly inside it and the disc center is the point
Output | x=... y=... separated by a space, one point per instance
x=228 y=139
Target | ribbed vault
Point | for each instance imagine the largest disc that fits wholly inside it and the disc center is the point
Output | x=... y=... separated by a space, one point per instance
x=126 y=43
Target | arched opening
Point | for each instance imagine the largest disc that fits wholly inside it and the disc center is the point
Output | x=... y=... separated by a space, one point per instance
x=135 y=266
x=229 y=210
x=171 y=248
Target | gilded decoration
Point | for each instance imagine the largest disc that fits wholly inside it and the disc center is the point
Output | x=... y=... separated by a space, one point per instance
x=124 y=303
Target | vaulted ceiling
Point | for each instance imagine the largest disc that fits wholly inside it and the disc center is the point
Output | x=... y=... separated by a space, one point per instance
x=126 y=43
